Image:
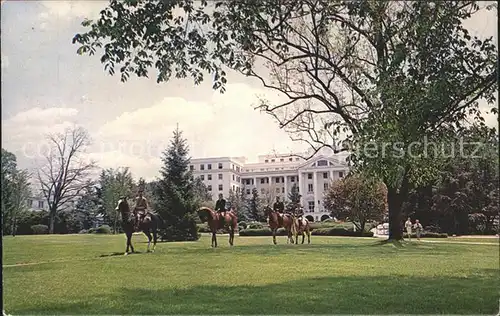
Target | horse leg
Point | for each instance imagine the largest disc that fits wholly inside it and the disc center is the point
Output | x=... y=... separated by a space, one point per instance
x=129 y=242
x=155 y=238
x=231 y=236
x=303 y=237
x=308 y=236
x=214 y=240
x=127 y=234
x=148 y=234
x=274 y=236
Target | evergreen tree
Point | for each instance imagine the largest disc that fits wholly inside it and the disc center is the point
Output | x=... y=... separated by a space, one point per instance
x=294 y=197
x=87 y=208
x=239 y=203
x=175 y=196
x=255 y=207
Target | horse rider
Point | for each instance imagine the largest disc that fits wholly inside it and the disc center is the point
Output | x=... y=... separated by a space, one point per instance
x=220 y=207
x=141 y=208
x=279 y=207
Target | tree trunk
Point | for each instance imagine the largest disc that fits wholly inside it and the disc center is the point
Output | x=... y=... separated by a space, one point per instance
x=395 y=227
x=52 y=219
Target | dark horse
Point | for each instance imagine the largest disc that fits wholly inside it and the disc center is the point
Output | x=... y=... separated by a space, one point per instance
x=215 y=222
x=277 y=220
x=149 y=224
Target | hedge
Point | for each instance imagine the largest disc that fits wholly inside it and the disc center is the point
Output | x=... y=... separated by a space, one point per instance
x=340 y=232
x=104 y=229
x=40 y=229
x=427 y=235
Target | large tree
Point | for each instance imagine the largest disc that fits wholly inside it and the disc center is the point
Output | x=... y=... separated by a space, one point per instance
x=354 y=74
x=175 y=194
x=16 y=191
x=357 y=198
x=66 y=173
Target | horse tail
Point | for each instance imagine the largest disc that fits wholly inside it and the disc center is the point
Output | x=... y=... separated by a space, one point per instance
x=161 y=221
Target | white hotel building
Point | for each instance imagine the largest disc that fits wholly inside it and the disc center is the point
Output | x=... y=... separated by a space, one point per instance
x=273 y=175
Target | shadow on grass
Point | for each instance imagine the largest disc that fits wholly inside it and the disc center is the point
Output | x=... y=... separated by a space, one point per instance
x=114 y=254
x=329 y=295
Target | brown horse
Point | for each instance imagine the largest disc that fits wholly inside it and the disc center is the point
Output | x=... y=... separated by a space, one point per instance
x=277 y=220
x=215 y=222
x=301 y=227
x=149 y=224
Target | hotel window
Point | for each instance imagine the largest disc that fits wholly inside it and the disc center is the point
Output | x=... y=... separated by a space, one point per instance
x=290 y=159
x=310 y=187
x=322 y=163
x=341 y=174
x=325 y=175
x=272 y=160
x=309 y=176
x=40 y=204
x=292 y=179
x=277 y=190
x=282 y=190
x=248 y=191
x=220 y=165
x=209 y=187
x=311 y=206
x=202 y=167
x=277 y=180
x=209 y=166
x=191 y=167
x=233 y=177
x=266 y=161
x=202 y=177
x=325 y=186
x=220 y=176
x=209 y=177
x=262 y=180
x=282 y=159
x=220 y=187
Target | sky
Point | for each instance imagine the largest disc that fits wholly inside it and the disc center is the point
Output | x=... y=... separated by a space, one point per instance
x=47 y=87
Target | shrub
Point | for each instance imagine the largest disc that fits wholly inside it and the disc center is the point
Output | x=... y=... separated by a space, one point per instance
x=91 y=230
x=104 y=229
x=340 y=232
x=432 y=229
x=83 y=231
x=427 y=235
x=255 y=225
x=242 y=224
x=261 y=232
x=203 y=228
x=40 y=229
x=317 y=225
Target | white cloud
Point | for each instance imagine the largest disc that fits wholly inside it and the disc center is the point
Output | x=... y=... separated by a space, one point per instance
x=70 y=9
x=226 y=125
x=25 y=132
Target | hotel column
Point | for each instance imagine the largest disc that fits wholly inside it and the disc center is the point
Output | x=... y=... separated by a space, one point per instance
x=331 y=176
x=286 y=189
x=255 y=182
x=315 y=188
x=299 y=185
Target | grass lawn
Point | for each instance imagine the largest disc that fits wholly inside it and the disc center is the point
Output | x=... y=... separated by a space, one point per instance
x=83 y=274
